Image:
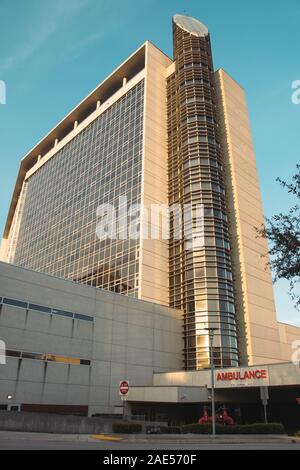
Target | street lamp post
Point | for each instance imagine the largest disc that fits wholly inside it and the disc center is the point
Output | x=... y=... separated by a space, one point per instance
x=9 y=398
x=211 y=332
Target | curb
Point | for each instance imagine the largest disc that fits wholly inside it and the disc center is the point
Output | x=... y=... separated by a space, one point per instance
x=103 y=437
x=207 y=439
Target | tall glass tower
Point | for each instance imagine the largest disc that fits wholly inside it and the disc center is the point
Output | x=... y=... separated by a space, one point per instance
x=201 y=278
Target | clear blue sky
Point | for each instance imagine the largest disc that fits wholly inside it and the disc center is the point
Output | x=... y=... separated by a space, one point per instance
x=54 y=52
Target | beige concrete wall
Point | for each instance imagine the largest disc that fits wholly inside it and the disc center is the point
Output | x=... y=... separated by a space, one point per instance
x=3 y=249
x=127 y=339
x=168 y=394
x=154 y=284
x=289 y=342
x=258 y=330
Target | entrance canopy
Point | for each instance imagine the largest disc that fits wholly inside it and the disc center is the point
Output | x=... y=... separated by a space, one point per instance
x=194 y=386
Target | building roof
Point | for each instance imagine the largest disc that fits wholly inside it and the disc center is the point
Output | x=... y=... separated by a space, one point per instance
x=191 y=25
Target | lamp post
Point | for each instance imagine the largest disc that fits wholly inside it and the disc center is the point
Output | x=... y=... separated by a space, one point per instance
x=9 y=398
x=211 y=332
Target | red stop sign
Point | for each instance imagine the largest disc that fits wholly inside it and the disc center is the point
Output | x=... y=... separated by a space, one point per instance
x=124 y=387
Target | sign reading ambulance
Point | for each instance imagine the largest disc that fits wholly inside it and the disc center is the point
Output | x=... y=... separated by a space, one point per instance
x=242 y=377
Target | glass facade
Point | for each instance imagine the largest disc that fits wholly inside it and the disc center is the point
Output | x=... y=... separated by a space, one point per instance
x=200 y=279
x=58 y=228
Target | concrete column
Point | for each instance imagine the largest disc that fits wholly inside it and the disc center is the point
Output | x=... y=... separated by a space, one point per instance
x=127 y=409
x=98 y=104
x=55 y=142
x=124 y=80
x=39 y=157
x=75 y=124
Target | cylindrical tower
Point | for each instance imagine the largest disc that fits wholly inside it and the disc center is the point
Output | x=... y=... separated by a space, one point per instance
x=200 y=276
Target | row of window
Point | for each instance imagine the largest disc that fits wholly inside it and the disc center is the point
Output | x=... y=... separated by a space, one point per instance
x=48 y=357
x=43 y=309
x=193 y=65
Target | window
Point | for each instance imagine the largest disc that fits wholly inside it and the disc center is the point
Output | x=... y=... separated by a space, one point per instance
x=40 y=308
x=15 y=303
x=62 y=313
x=38 y=356
x=10 y=353
x=44 y=309
x=48 y=357
x=79 y=316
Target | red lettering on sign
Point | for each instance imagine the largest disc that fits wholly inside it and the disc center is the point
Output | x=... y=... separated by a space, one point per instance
x=248 y=374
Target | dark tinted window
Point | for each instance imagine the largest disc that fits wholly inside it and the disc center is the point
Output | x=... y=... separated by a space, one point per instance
x=40 y=308
x=13 y=353
x=79 y=316
x=63 y=313
x=38 y=356
x=85 y=362
x=15 y=303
